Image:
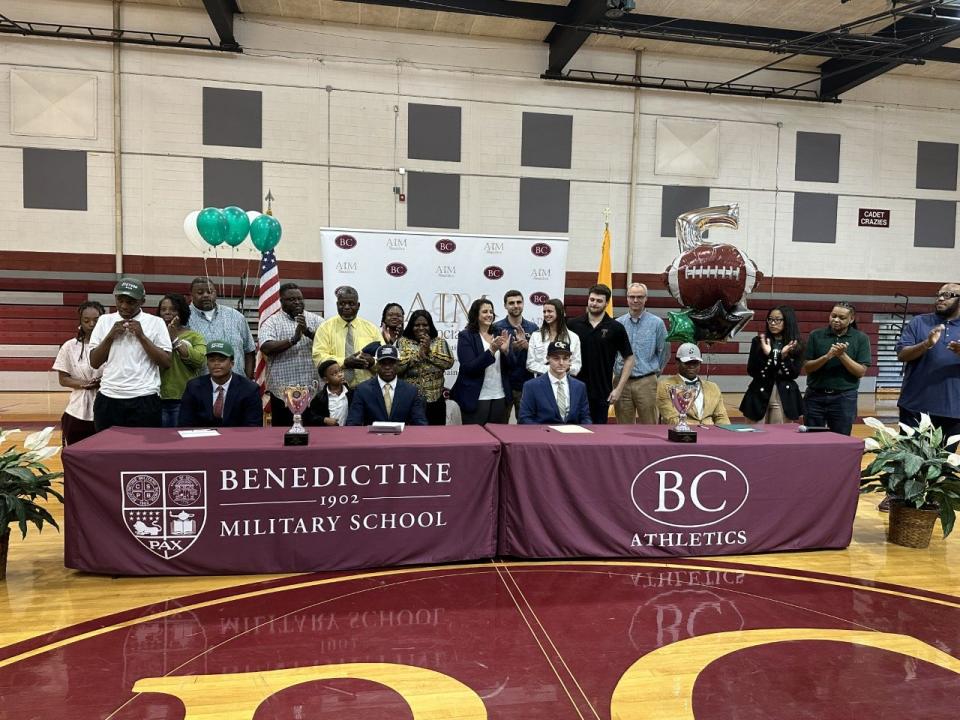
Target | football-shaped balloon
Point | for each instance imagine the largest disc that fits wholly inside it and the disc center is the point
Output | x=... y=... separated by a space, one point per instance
x=698 y=278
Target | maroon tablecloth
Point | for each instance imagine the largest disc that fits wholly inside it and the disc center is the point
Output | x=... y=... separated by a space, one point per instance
x=148 y=502
x=625 y=491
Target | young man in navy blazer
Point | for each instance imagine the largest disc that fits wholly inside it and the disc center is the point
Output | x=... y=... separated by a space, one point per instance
x=223 y=398
x=554 y=398
x=369 y=403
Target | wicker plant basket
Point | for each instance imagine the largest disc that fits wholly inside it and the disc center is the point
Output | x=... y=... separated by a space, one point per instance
x=909 y=526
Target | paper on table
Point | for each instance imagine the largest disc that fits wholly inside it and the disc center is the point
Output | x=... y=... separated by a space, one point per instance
x=381 y=426
x=570 y=429
x=201 y=432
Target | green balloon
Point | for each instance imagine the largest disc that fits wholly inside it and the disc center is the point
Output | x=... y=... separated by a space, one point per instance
x=681 y=326
x=238 y=225
x=265 y=233
x=212 y=226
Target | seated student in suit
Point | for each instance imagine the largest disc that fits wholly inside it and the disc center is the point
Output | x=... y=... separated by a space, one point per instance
x=555 y=398
x=384 y=397
x=330 y=406
x=708 y=408
x=223 y=398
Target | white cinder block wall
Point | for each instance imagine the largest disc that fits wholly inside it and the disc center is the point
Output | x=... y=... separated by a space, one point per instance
x=335 y=132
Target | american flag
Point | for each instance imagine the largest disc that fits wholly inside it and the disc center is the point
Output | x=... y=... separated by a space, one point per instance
x=268 y=303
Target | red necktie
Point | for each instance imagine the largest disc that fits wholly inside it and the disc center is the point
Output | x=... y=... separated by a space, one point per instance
x=218 y=403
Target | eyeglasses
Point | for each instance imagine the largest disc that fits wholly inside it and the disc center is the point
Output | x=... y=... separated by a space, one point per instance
x=775 y=321
x=946 y=296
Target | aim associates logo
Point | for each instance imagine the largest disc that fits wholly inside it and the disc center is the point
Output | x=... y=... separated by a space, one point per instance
x=689 y=491
x=164 y=511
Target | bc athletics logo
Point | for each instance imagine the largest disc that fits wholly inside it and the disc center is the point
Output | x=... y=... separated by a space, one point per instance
x=445 y=245
x=540 y=249
x=164 y=511
x=396 y=269
x=493 y=272
x=689 y=491
x=345 y=242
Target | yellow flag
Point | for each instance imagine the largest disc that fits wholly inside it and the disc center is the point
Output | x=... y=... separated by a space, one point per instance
x=604 y=275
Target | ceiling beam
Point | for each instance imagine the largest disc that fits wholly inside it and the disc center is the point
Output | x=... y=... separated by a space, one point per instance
x=924 y=34
x=221 y=14
x=566 y=38
x=492 y=8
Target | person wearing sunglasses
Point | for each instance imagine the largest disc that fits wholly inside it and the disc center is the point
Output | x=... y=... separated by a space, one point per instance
x=930 y=348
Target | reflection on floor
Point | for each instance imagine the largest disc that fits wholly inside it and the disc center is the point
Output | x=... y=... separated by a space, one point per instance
x=544 y=640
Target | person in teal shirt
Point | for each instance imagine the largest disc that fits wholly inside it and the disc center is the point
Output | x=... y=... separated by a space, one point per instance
x=836 y=357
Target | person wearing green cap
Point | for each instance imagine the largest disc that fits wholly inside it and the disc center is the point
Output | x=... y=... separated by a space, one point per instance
x=222 y=398
x=132 y=347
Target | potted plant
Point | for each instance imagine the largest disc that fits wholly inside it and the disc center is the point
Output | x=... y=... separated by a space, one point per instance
x=919 y=475
x=23 y=479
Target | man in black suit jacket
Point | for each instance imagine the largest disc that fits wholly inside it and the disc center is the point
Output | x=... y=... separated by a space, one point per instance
x=370 y=399
x=223 y=398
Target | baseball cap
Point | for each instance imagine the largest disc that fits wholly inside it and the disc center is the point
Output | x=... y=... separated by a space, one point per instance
x=688 y=352
x=387 y=352
x=220 y=347
x=558 y=347
x=131 y=287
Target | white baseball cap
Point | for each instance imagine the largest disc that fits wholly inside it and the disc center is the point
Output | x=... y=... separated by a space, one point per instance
x=688 y=352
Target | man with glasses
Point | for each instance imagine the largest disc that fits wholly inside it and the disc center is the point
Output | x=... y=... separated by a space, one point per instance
x=930 y=347
x=647 y=334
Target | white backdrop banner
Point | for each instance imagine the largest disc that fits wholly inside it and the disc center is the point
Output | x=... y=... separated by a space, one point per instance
x=441 y=273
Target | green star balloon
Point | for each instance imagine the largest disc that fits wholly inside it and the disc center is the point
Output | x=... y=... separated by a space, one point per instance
x=681 y=326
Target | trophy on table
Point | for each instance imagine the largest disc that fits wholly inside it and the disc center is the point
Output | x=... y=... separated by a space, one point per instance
x=682 y=397
x=297 y=398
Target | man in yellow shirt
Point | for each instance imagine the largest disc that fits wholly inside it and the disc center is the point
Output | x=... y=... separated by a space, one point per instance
x=341 y=339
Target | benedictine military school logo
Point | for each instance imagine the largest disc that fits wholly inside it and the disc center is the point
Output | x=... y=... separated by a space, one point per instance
x=165 y=511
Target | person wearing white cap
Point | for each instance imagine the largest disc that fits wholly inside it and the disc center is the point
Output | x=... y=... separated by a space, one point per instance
x=132 y=347
x=708 y=408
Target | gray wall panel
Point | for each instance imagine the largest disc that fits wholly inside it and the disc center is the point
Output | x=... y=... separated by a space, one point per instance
x=814 y=217
x=544 y=205
x=678 y=199
x=54 y=179
x=817 y=157
x=935 y=224
x=232 y=117
x=936 y=166
x=547 y=140
x=233 y=182
x=433 y=200
x=433 y=132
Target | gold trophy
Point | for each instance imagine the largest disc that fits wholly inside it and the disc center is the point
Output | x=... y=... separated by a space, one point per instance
x=682 y=397
x=297 y=398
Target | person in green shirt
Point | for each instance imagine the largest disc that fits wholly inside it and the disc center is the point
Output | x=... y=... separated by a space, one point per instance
x=836 y=357
x=189 y=356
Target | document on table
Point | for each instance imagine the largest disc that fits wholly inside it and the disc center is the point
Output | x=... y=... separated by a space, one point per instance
x=570 y=429
x=734 y=427
x=199 y=432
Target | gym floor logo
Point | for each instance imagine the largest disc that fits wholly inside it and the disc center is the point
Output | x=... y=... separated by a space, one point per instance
x=165 y=510
x=689 y=491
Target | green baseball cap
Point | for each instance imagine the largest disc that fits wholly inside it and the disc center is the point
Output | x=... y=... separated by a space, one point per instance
x=220 y=347
x=131 y=287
